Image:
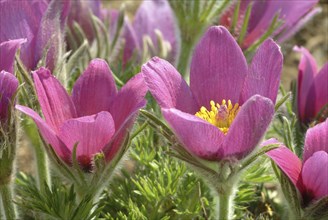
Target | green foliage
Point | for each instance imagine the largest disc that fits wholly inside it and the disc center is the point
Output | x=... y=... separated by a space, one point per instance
x=56 y=202
x=159 y=187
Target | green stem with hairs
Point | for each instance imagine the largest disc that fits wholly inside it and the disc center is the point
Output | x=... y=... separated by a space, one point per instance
x=224 y=206
x=8 y=209
x=184 y=57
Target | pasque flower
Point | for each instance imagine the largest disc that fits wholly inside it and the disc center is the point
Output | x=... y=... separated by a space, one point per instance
x=40 y=22
x=96 y=116
x=310 y=175
x=312 y=88
x=150 y=16
x=228 y=106
x=293 y=14
x=8 y=82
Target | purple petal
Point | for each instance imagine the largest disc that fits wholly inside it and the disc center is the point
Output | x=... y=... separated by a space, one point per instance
x=248 y=127
x=307 y=70
x=287 y=161
x=263 y=76
x=91 y=133
x=124 y=110
x=95 y=89
x=319 y=91
x=21 y=19
x=196 y=135
x=55 y=103
x=218 y=68
x=167 y=86
x=315 y=175
x=47 y=133
x=128 y=100
x=316 y=139
x=8 y=87
x=7 y=54
x=152 y=15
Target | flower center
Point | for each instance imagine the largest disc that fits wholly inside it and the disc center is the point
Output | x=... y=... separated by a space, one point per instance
x=220 y=116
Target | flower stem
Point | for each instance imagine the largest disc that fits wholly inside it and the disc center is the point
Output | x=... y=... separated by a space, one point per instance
x=42 y=166
x=9 y=209
x=184 y=57
x=224 y=207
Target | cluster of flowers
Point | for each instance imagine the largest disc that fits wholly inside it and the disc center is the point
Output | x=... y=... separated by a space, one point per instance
x=221 y=116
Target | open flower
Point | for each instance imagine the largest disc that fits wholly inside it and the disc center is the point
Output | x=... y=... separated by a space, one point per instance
x=8 y=87
x=293 y=14
x=228 y=106
x=39 y=22
x=96 y=117
x=312 y=90
x=150 y=16
x=310 y=176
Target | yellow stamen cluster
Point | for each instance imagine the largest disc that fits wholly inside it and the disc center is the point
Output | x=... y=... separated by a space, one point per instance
x=220 y=116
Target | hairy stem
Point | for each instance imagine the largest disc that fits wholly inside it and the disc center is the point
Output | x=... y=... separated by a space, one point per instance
x=9 y=209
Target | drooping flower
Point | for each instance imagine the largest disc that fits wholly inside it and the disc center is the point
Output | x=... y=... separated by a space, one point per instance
x=37 y=21
x=151 y=16
x=310 y=176
x=293 y=14
x=312 y=89
x=228 y=106
x=96 y=116
x=8 y=87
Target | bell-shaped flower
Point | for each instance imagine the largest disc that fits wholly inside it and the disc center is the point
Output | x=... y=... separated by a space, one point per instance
x=8 y=87
x=228 y=106
x=312 y=89
x=40 y=23
x=151 y=16
x=292 y=13
x=96 y=117
x=310 y=176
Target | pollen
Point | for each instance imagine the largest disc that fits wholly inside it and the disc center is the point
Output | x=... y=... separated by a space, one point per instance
x=220 y=116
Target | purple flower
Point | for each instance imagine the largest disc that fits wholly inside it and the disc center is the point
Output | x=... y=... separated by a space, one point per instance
x=312 y=94
x=228 y=106
x=151 y=15
x=37 y=21
x=310 y=176
x=8 y=87
x=293 y=13
x=96 y=115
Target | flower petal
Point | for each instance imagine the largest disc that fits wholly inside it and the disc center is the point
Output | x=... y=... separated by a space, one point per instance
x=218 y=68
x=56 y=104
x=8 y=87
x=7 y=54
x=315 y=175
x=167 y=86
x=248 y=127
x=307 y=70
x=47 y=133
x=128 y=99
x=319 y=92
x=196 y=135
x=316 y=139
x=287 y=161
x=91 y=133
x=263 y=76
x=95 y=89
